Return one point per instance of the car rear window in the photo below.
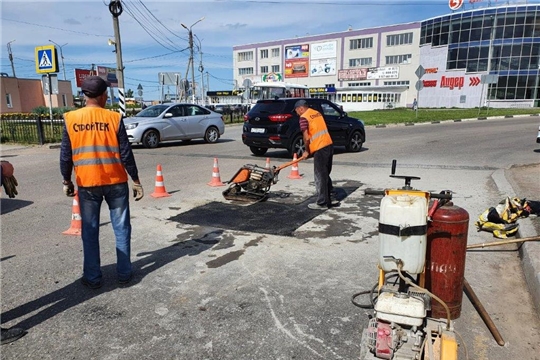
(269, 108)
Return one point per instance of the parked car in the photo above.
(165, 122)
(274, 124)
(222, 109)
(538, 135)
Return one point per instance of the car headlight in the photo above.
(131, 126)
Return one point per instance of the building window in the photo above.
(368, 83)
(264, 54)
(275, 68)
(360, 62)
(399, 39)
(245, 56)
(245, 71)
(64, 100)
(8, 101)
(264, 69)
(366, 43)
(396, 83)
(398, 59)
(275, 52)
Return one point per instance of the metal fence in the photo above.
(32, 131)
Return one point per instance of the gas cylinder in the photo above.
(445, 258)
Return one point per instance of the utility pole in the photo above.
(201, 70)
(115, 8)
(191, 56)
(61, 56)
(11, 57)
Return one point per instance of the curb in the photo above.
(454, 120)
(528, 251)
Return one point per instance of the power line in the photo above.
(55, 28)
(149, 27)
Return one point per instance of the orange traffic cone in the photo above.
(159, 190)
(294, 170)
(267, 163)
(216, 179)
(76, 220)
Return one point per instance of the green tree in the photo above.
(129, 93)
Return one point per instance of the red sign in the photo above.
(80, 75)
(430, 83)
(431, 70)
(296, 68)
(455, 4)
(475, 80)
(453, 82)
(352, 74)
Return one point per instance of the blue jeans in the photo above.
(117, 197)
(322, 163)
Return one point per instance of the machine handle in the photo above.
(374, 192)
(447, 195)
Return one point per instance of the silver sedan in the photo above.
(166, 122)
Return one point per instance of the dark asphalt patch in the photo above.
(268, 217)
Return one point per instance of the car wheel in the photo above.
(211, 135)
(150, 139)
(355, 142)
(298, 146)
(258, 150)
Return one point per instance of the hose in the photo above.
(399, 266)
(372, 299)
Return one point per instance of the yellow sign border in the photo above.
(54, 68)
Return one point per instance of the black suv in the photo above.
(274, 124)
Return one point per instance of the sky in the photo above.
(153, 39)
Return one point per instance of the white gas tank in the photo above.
(403, 232)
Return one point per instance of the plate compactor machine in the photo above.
(252, 183)
(422, 248)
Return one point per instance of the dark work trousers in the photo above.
(322, 165)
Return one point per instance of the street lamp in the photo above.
(62, 56)
(191, 55)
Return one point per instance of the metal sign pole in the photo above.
(481, 96)
(50, 103)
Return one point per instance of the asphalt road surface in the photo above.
(203, 291)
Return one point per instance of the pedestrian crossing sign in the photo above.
(46, 59)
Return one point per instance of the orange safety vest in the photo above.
(319, 137)
(94, 144)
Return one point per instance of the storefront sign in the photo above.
(324, 50)
(296, 61)
(80, 75)
(272, 77)
(431, 70)
(108, 74)
(429, 83)
(452, 82)
(389, 72)
(352, 74)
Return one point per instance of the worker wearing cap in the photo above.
(96, 145)
(318, 144)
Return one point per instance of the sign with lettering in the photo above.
(352, 74)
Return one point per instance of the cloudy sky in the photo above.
(153, 39)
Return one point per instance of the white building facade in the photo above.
(358, 69)
(469, 58)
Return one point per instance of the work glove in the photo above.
(69, 189)
(10, 186)
(138, 191)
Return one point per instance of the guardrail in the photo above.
(31, 131)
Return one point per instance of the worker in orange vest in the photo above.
(96, 145)
(319, 144)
